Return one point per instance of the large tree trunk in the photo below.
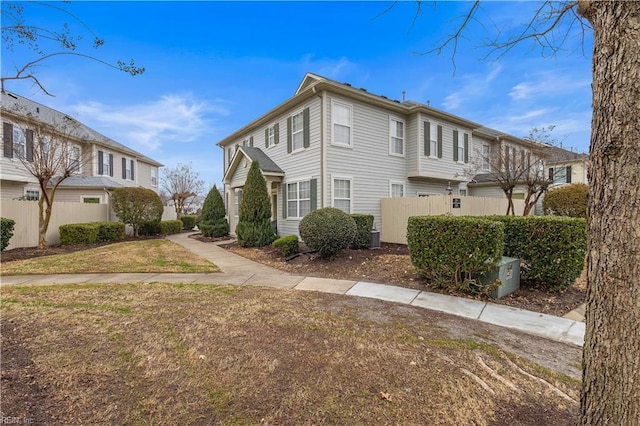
(611, 362)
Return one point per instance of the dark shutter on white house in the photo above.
(284, 200)
(455, 146)
(426, 138)
(111, 165)
(551, 174)
(266, 137)
(313, 189)
(289, 137)
(466, 147)
(124, 168)
(439, 141)
(276, 133)
(306, 131)
(568, 172)
(100, 162)
(7, 139)
(29, 135)
(132, 171)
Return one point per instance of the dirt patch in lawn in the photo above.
(391, 264)
(196, 354)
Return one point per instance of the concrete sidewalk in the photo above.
(237, 270)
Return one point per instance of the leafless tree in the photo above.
(611, 365)
(52, 153)
(181, 185)
(47, 43)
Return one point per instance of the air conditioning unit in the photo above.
(375, 239)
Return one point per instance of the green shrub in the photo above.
(215, 230)
(149, 228)
(212, 221)
(449, 250)
(254, 220)
(364, 226)
(168, 227)
(6, 232)
(327, 231)
(78, 233)
(188, 221)
(567, 200)
(288, 246)
(552, 248)
(137, 205)
(110, 231)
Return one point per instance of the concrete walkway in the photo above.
(238, 270)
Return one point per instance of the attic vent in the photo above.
(397, 101)
(38, 110)
(66, 117)
(347, 84)
(383, 97)
(12, 95)
(363, 89)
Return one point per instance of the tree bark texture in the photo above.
(611, 360)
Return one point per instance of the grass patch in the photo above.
(197, 354)
(150, 256)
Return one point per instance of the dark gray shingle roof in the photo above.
(266, 164)
(90, 182)
(560, 155)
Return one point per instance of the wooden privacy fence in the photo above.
(396, 211)
(25, 213)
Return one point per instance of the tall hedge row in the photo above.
(552, 249)
(90, 233)
(449, 250)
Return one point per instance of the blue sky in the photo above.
(212, 67)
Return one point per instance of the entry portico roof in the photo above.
(267, 166)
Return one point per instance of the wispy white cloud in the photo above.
(173, 118)
(474, 86)
(548, 82)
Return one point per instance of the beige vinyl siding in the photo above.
(75, 195)
(411, 144)
(445, 167)
(9, 189)
(142, 175)
(241, 172)
(494, 191)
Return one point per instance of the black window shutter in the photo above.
(506, 158)
(284, 200)
(466, 147)
(551, 173)
(266, 137)
(289, 141)
(111, 165)
(276, 133)
(124, 168)
(427, 138)
(29, 145)
(455, 145)
(439, 141)
(313, 189)
(132, 176)
(100, 162)
(305, 131)
(7, 138)
(251, 141)
(568, 172)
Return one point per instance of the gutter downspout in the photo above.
(323, 146)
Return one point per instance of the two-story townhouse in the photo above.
(335, 145)
(110, 164)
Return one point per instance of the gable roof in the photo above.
(20, 106)
(267, 165)
(80, 181)
(561, 155)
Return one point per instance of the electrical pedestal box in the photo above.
(508, 272)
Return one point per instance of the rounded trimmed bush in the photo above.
(567, 200)
(188, 221)
(364, 226)
(288, 246)
(327, 231)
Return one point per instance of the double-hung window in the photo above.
(297, 131)
(298, 199)
(154, 177)
(342, 194)
(433, 140)
(74, 158)
(127, 169)
(19, 142)
(271, 136)
(396, 137)
(341, 115)
(461, 152)
(105, 163)
(396, 189)
(485, 157)
(32, 195)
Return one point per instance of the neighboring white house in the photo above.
(564, 166)
(332, 144)
(111, 165)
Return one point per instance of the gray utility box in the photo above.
(508, 272)
(375, 239)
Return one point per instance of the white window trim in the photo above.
(128, 167)
(333, 124)
(461, 147)
(20, 141)
(82, 197)
(153, 169)
(433, 153)
(397, 182)
(404, 137)
(79, 171)
(27, 190)
(286, 188)
(333, 185)
(301, 131)
(486, 159)
(271, 135)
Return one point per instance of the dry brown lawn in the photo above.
(157, 255)
(196, 354)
